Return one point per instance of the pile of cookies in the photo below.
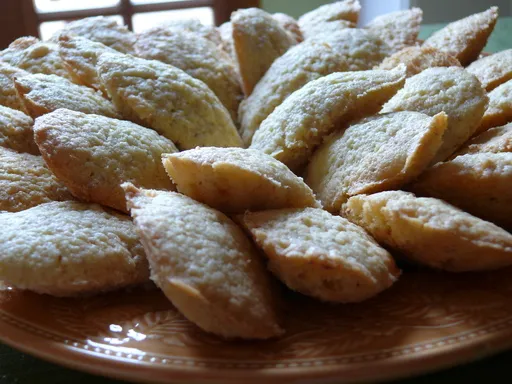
(215, 161)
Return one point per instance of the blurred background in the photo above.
(43, 17)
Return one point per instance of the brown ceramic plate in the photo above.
(425, 322)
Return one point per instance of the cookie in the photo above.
(226, 34)
(194, 26)
(166, 99)
(465, 38)
(43, 94)
(379, 153)
(69, 249)
(493, 70)
(234, 180)
(81, 56)
(26, 181)
(290, 25)
(444, 89)
(301, 64)
(93, 155)
(103, 30)
(417, 59)
(8, 96)
(494, 140)
(198, 57)
(397, 29)
(258, 40)
(321, 255)
(205, 265)
(431, 232)
(330, 17)
(298, 126)
(35, 56)
(499, 111)
(478, 183)
(16, 131)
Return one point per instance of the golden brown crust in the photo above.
(16, 131)
(499, 111)
(494, 140)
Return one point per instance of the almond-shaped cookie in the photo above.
(494, 140)
(194, 26)
(301, 64)
(81, 56)
(290, 25)
(69, 249)
(93, 155)
(417, 59)
(499, 111)
(330, 18)
(26, 181)
(258, 40)
(166, 99)
(234, 180)
(16, 131)
(198, 57)
(8, 96)
(298, 126)
(35, 56)
(398, 29)
(321, 255)
(493, 70)
(452, 90)
(226, 34)
(431, 232)
(479, 183)
(380, 153)
(43, 94)
(465, 38)
(103, 30)
(205, 265)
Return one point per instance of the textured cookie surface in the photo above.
(93, 155)
(444, 89)
(235, 179)
(103, 30)
(398, 29)
(321, 255)
(494, 140)
(194, 26)
(43, 94)
(26, 181)
(16, 131)
(330, 17)
(226, 34)
(478, 183)
(417, 59)
(493, 70)
(70, 248)
(301, 64)
(258, 41)
(431, 232)
(8, 96)
(499, 111)
(205, 264)
(290, 25)
(198, 57)
(81, 55)
(377, 154)
(35, 56)
(465, 38)
(168, 100)
(295, 128)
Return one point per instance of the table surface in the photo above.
(19, 368)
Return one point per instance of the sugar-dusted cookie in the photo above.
(465, 38)
(499, 111)
(194, 26)
(321, 255)
(70, 248)
(451, 90)
(295, 128)
(43, 94)
(8, 96)
(493, 70)
(258, 40)
(379, 153)
(205, 265)
(226, 34)
(417, 59)
(494, 140)
(26, 181)
(16, 131)
(290, 25)
(93, 155)
(431, 232)
(234, 179)
(168, 100)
